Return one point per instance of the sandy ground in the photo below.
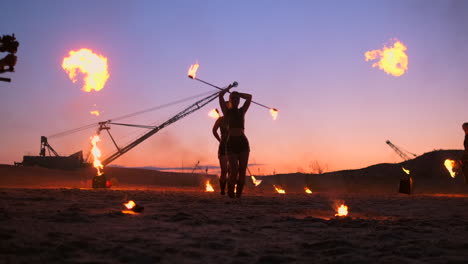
(191, 226)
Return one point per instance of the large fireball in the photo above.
(93, 66)
(392, 60)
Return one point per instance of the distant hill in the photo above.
(428, 172)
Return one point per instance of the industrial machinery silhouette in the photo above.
(75, 161)
(406, 182)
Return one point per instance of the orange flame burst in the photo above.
(130, 204)
(405, 170)
(95, 112)
(393, 60)
(274, 113)
(93, 66)
(214, 113)
(96, 155)
(342, 210)
(307, 190)
(279, 189)
(192, 72)
(209, 188)
(255, 181)
(450, 165)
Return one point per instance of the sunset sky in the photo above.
(305, 58)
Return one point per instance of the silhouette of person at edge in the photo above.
(464, 158)
(237, 145)
(221, 124)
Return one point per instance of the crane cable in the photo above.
(75, 130)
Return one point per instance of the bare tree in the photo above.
(316, 167)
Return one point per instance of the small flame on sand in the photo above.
(95, 112)
(192, 72)
(393, 59)
(450, 164)
(130, 204)
(307, 190)
(214, 113)
(92, 65)
(279, 190)
(255, 181)
(405, 170)
(274, 113)
(342, 210)
(96, 155)
(209, 188)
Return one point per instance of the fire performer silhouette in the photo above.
(464, 159)
(237, 145)
(221, 124)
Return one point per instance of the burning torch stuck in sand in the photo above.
(99, 181)
(132, 208)
(342, 211)
(192, 75)
(279, 190)
(208, 186)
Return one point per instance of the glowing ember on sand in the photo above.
(342, 210)
(193, 70)
(274, 113)
(255, 181)
(393, 59)
(132, 207)
(307, 190)
(209, 188)
(405, 170)
(214, 113)
(450, 165)
(95, 112)
(279, 189)
(130, 204)
(96, 155)
(93, 66)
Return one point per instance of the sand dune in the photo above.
(188, 226)
(52, 216)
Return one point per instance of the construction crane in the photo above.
(402, 153)
(57, 161)
(154, 129)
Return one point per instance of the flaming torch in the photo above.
(95, 112)
(255, 181)
(192, 73)
(342, 211)
(405, 170)
(99, 181)
(214, 113)
(393, 59)
(208, 187)
(279, 189)
(450, 165)
(92, 65)
(307, 190)
(96, 152)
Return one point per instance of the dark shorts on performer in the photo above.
(237, 145)
(222, 149)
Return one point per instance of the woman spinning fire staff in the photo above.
(237, 145)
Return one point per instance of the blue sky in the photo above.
(305, 58)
